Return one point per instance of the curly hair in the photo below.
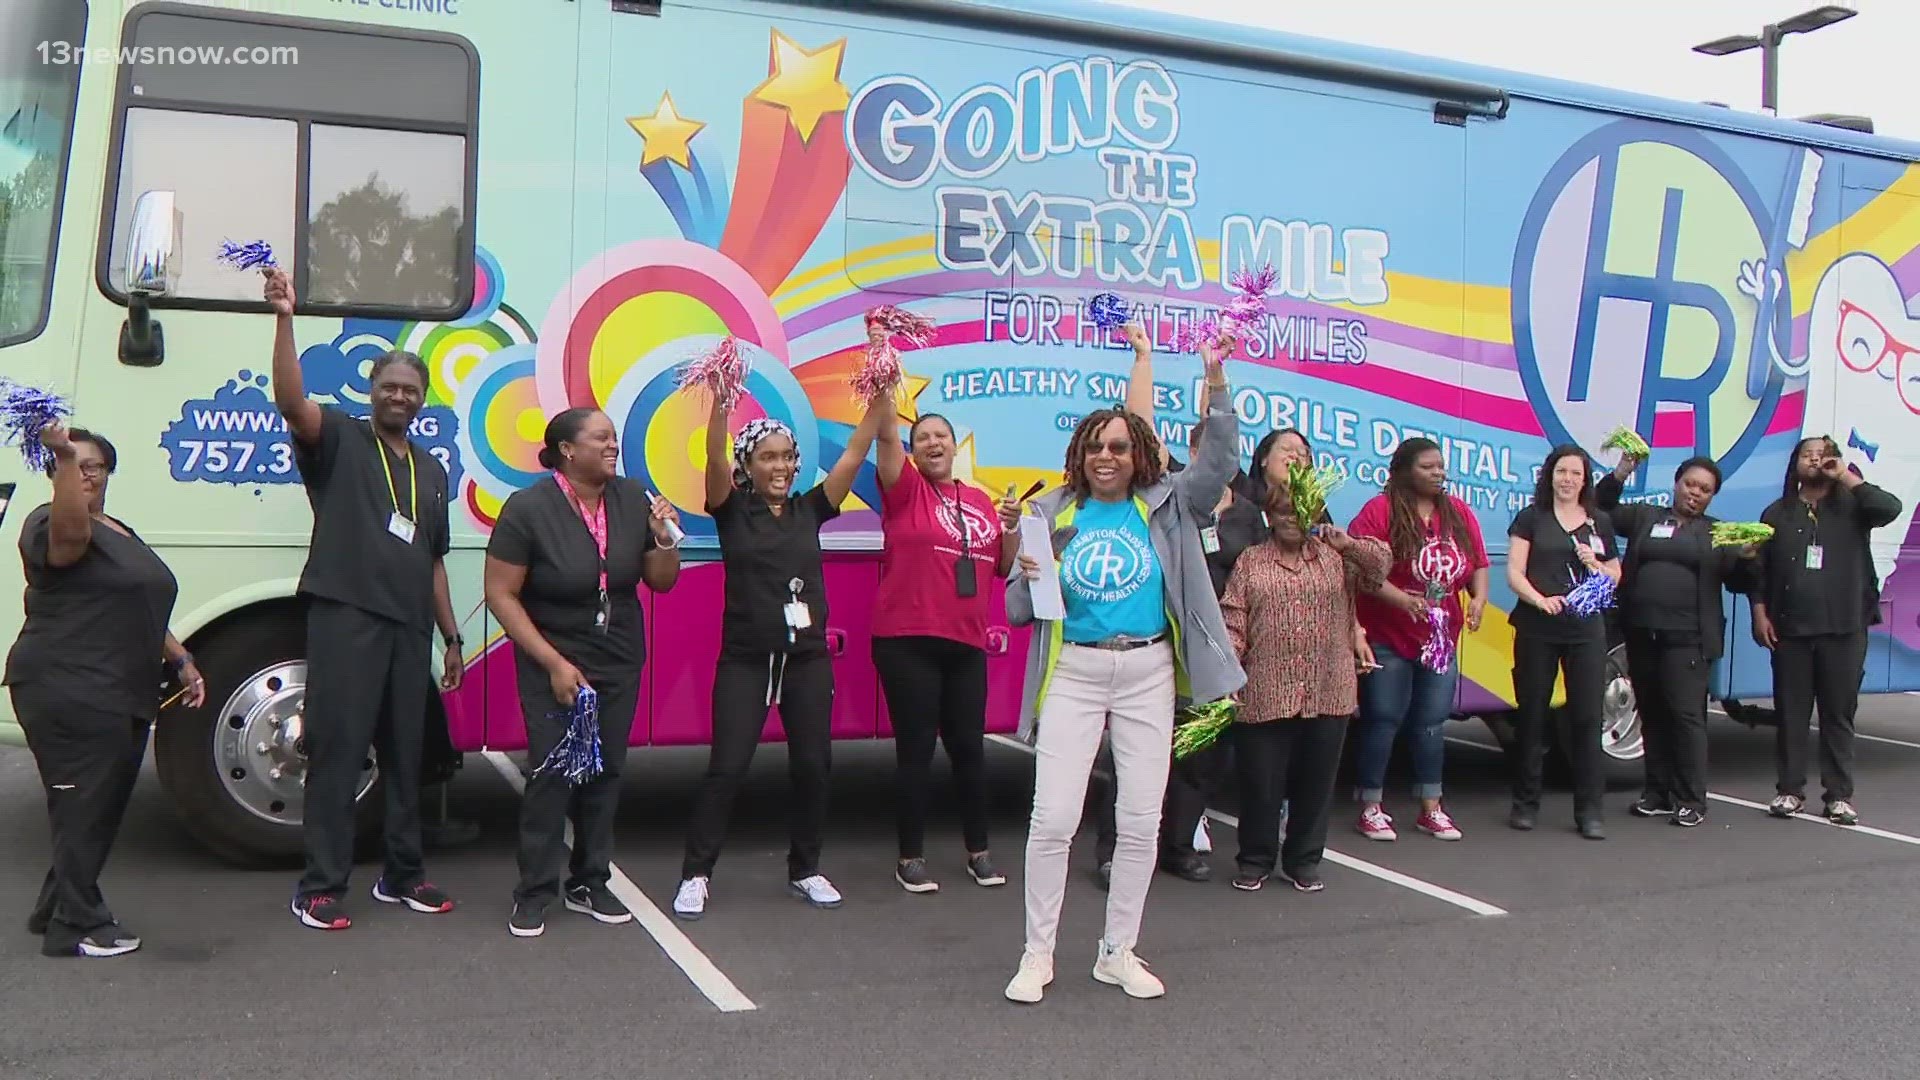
(1404, 530)
(1543, 484)
(1146, 450)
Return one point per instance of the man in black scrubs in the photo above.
(374, 585)
(1816, 597)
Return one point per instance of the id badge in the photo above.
(1662, 531)
(798, 617)
(1816, 556)
(966, 583)
(602, 616)
(1210, 539)
(400, 527)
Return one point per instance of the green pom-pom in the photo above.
(1201, 726)
(1740, 533)
(1628, 442)
(1309, 488)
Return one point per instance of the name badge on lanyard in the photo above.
(1210, 539)
(596, 523)
(798, 617)
(1662, 531)
(399, 525)
(1816, 556)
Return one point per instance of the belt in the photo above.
(1120, 644)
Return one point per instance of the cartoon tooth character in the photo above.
(1863, 384)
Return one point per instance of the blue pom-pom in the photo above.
(577, 755)
(1592, 596)
(249, 256)
(1108, 311)
(25, 412)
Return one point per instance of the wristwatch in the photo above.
(456, 641)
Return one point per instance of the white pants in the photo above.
(1130, 696)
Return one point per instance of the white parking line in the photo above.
(680, 949)
(1715, 710)
(1392, 877)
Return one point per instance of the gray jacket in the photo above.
(1176, 508)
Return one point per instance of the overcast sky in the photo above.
(1860, 66)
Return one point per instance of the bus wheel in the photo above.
(1622, 739)
(235, 767)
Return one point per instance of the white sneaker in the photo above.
(1030, 983)
(1121, 968)
(691, 901)
(816, 890)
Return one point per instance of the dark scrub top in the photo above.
(353, 558)
(761, 552)
(1552, 567)
(1664, 591)
(95, 630)
(541, 529)
(1843, 595)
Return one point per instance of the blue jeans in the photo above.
(1403, 696)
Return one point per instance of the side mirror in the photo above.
(153, 272)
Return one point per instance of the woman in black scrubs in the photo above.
(1676, 626)
(1551, 546)
(563, 572)
(85, 675)
(773, 643)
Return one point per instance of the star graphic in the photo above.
(910, 397)
(667, 134)
(806, 84)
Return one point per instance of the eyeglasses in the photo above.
(93, 470)
(1866, 345)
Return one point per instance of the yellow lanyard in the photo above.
(413, 485)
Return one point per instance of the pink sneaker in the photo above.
(1374, 824)
(1438, 824)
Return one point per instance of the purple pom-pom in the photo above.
(1437, 651)
(577, 755)
(1108, 311)
(1192, 335)
(1254, 284)
(24, 413)
(249, 256)
(1593, 595)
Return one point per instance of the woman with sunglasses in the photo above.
(84, 677)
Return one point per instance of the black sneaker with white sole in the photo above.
(529, 919)
(1304, 880)
(321, 912)
(1650, 807)
(423, 898)
(1687, 817)
(1249, 880)
(913, 876)
(600, 903)
(106, 941)
(980, 867)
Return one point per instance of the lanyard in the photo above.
(960, 519)
(413, 485)
(596, 523)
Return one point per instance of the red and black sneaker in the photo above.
(321, 912)
(423, 897)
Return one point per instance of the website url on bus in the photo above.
(65, 52)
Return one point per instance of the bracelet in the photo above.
(183, 661)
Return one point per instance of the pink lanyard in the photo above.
(596, 524)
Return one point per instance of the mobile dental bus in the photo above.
(555, 202)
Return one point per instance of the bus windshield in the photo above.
(41, 42)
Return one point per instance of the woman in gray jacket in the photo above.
(1142, 630)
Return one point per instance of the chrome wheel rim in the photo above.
(259, 746)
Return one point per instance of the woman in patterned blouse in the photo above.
(1289, 613)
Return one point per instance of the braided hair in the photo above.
(1404, 530)
(1147, 470)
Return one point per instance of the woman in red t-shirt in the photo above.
(947, 546)
(1437, 552)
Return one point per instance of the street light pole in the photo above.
(1768, 41)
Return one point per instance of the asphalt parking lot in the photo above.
(1745, 948)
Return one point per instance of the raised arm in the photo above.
(890, 455)
(1628, 518)
(880, 410)
(1140, 382)
(1878, 507)
(1217, 457)
(289, 390)
(719, 466)
(69, 525)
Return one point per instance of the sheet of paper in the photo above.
(1036, 542)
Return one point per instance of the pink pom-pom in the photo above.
(1192, 335)
(721, 370)
(916, 330)
(880, 372)
(1254, 284)
(1436, 653)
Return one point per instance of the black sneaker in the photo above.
(983, 871)
(1304, 880)
(1249, 880)
(423, 898)
(106, 941)
(1591, 827)
(599, 903)
(1650, 807)
(913, 876)
(1191, 868)
(1687, 817)
(529, 919)
(321, 912)
(1522, 819)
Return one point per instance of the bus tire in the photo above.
(235, 767)
(1622, 738)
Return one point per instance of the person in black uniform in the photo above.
(1676, 627)
(84, 676)
(1817, 593)
(1551, 546)
(375, 586)
(773, 645)
(564, 567)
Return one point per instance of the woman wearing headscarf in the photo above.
(773, 644)
(1141, 630)
(946, 547)
(1552, 546)
(564, 567)
(1289, 612)
(84, 675)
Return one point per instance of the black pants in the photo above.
(550, 801)
(89, 760)
(1670, 676)
(1191, 783)
(935, 687)
(740, 685)
(1293, 761)
(364, 692)
(1584, 663)
(1824, 669)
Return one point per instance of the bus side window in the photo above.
(351, 152)
(42, 45)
